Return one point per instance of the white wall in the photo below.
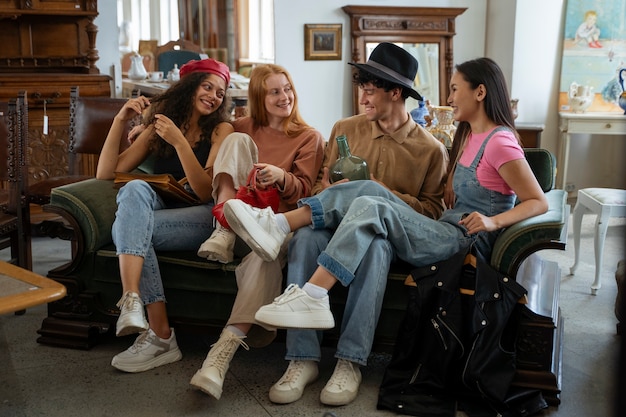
(107, 44)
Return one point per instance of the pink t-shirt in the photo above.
(501, 148)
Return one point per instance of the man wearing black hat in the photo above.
(405, 158)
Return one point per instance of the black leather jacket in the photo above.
(456, 343)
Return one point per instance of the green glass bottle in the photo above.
(348, 166)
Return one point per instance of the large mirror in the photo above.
(427, 78)
(423, 31)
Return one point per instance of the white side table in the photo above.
(586, 123)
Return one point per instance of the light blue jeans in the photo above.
(143, 223)
(361, 261)
(363, 304)
(358, 228)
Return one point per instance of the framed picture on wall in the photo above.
(594, 55)
(322, 42)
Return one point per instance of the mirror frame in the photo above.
(408, 25)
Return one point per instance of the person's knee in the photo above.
(134, 189)
(134, 186)
(239, 140)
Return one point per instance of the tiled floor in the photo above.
(38, 380)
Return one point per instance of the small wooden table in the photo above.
(21, 288)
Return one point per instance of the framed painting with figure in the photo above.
(322, 42)
(594, 55)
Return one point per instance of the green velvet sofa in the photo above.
(200, 293)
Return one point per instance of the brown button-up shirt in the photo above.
(410, 161)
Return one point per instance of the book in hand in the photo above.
(164, 184)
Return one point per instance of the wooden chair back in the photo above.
(179, 45)
(176, 52)
(15, 214)
(90, 121)
(167, 59)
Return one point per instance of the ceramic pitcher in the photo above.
(137, 71)
(580, 97)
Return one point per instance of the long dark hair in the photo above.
(177, 104)
(497, 102)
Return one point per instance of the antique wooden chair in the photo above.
(14, 216)
(176, 52)
(90, 120)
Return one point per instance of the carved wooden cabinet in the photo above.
(48, 46)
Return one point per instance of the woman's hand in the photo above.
(133, 107)
(166, 129)
(269, 174)
(135, 132)
(326, 179)
(475, 222)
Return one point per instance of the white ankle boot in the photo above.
(210, 378)
(219, 247)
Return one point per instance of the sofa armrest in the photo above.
(91, 206)
(545, 231)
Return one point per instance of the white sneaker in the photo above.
(343, 386)
(290, 386)
(295, 309)
(148, 351)
(257, 227)
(210, 378)
(219, 247)
(132, 318)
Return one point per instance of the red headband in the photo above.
(208, 65)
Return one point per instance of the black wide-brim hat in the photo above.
(392, 63)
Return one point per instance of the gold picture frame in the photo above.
(322, 42)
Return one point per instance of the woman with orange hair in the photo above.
(287, 153)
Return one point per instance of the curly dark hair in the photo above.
(177, 104)
(361, 77)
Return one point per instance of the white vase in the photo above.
(580, 97)
(137, 71)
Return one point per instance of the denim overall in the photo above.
(471, 196)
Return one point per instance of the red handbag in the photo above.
(256, 197)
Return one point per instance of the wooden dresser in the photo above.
(48, 46)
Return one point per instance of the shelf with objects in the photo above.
(238, 91)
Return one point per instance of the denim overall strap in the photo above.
(471, 196)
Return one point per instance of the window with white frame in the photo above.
(159, 19)
(256, 34)
(146, 19)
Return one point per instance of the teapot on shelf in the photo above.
(580, 97)
(137, 71)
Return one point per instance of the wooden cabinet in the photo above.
(50, 93)
(48, 46)
(530, 134)
(50, 6)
